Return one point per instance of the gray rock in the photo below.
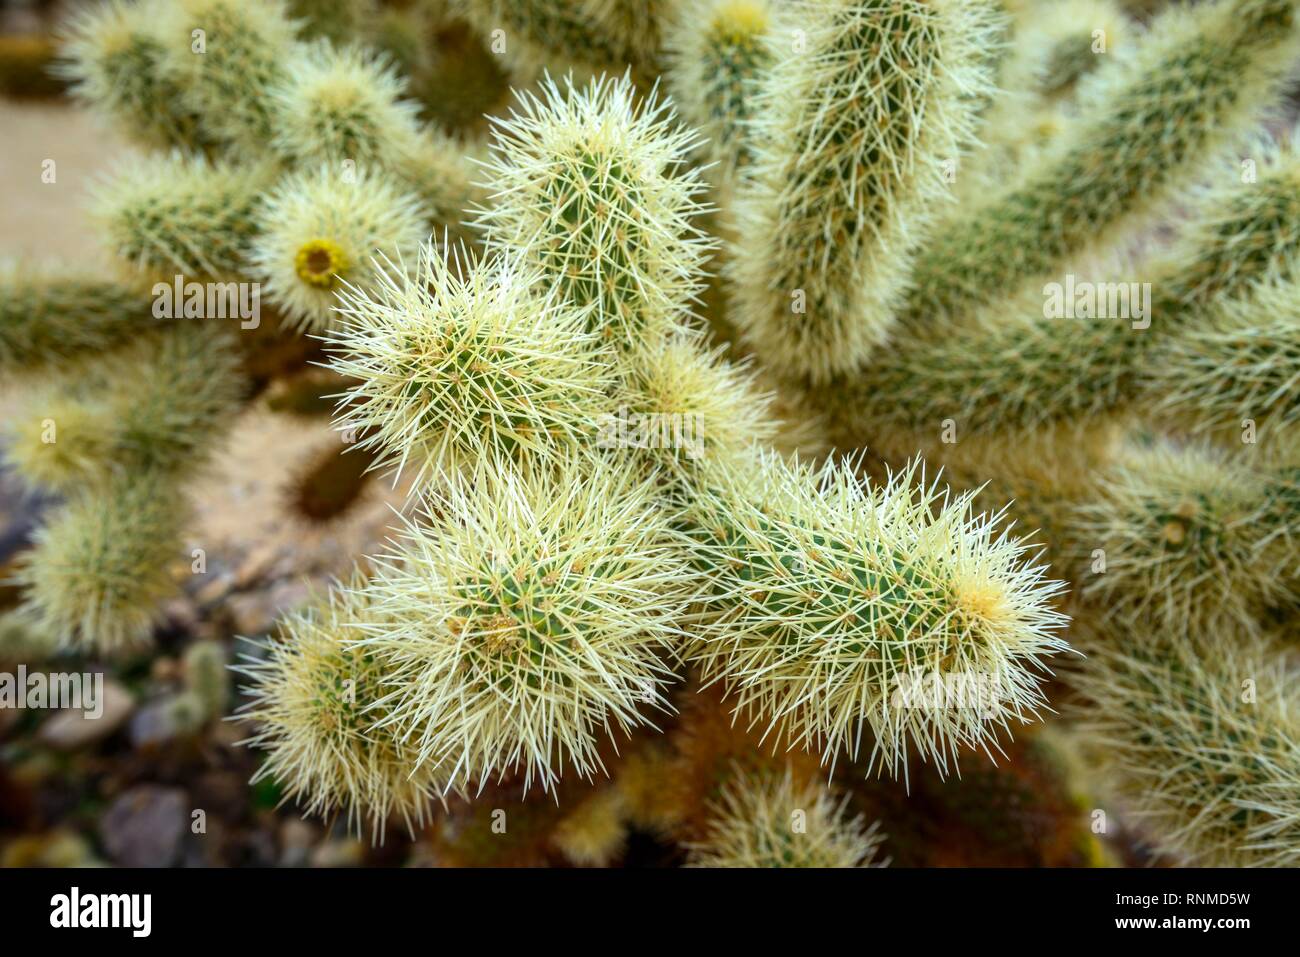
(297, 838)
(145, 826)
(70, 729)
(171, 717)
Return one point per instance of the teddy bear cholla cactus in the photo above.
(203, 83)
(850, 138)
(320, 703)
(1202, 739)
(828, 596)
(806, 595)
(453, 369)
(752, 826)
(1166, 536)
(970, 346)
(550, 595)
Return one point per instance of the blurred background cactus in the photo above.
(657, 432)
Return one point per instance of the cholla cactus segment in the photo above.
(683, 404)
(338, 21)
(101, 567)
(182, 215)
(1238, 370)
(635, 26)
(1192, 540)
(347, 107)
(590, 34)
(316, 703)
(341, 104)
(156, 406)
(1074, 37)
(456, 362)
(323, 230)
(1025, 365)
(1245, 231)
(24, 639)
(437, 169)
(766, 821)
(718, 53)
(851, 136)
(590, 186)
(113, 54)
(1201, 739)
(1198, 81)
(207, 677)
(50, 316)
(595, 833)
(227, 56)
(530, 618)
(60, 441)
(176, 394)
(1017, 121)
(1009, 371)
(647, 804)
(836, 608)
(1034, 479)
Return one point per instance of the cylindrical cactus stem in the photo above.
(318, 704)
(1033, 479)
(61, 438)
(439, 170)
(1202, 740)
(176, 215)
(227, 56)
(1189, 540)
(457, 361)
(207, 677)
(718, 51)
(176, 396)
(345, 108)
(590, 34)
(592, 187)
(99, 570)
(157, 405)
(683, 405)
(114, 54)
(767, 821)
(594, 834)
(635, 27)
(836, 609)
(324, 230)
(866, 103)
(1200, 79)
(24, 639)
(51, 316)
(339, 21)
(532, 616)
(1029, 364)
(339, 105)
(1073, 38)
(1234, 377)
